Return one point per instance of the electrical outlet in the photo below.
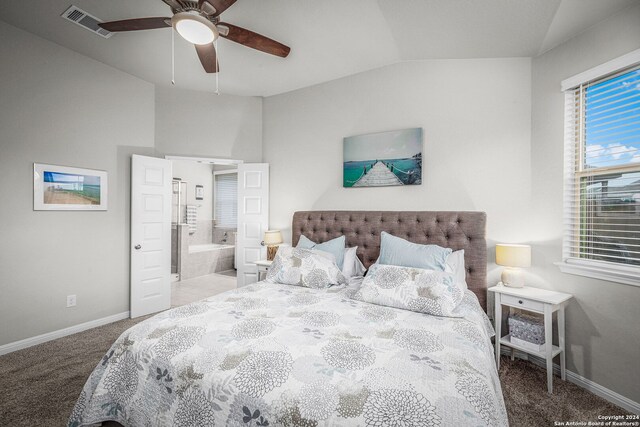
(71, 300)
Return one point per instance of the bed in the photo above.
(271, 354)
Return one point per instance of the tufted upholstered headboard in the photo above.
(455, 230)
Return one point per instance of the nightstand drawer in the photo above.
(522, 303)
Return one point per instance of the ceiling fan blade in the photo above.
(135, 24)
(173, 4)
(207, 55)
(214, 8)
(253, 40)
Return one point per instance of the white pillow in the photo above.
(415, 289)
(455, 266)
(352, 266)
(304, 267)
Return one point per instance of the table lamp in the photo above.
(514, 257)
(272, 238)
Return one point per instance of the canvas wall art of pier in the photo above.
(383, 159)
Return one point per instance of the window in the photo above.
(226, 199)
(602, 177)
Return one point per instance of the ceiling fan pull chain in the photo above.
(217, 68)
(173, 58)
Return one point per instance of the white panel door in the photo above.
(253, 219)
(150, 235)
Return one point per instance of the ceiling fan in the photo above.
(199, 23)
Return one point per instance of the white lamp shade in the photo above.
(513, 255)
(272, 237)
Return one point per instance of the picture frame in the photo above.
(66, 188)
(199, 192)
(383, 159)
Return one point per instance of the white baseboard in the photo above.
(579, 380)
(39, 339)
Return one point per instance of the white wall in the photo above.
(476, 120)
(603, 337)
(62, 108)
(204, 124)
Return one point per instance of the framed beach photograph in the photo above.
(383, 159)
(63, 188)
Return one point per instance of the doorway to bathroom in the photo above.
(204, 221)
(156, 197)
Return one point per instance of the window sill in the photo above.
(599, 270)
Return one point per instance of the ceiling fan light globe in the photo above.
(194, 28)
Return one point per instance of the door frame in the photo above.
(210, 160)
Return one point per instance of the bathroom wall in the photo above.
(202, 262)
(195, 173)
(218, 235)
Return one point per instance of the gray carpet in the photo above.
(41, 384)
(524, 386)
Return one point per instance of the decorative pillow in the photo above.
(324, 254)
(304, 267)
(415, 289)
(455, 265)
(352, 266)
(403, 253)
(333, 246)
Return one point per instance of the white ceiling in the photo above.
(328, 38)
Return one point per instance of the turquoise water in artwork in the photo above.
(352, 171)
(84, 186)
(409, 171)
(91, 192)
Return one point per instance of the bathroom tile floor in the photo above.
(191, 290)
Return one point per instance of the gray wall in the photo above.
(493, 141)
(476, 120)
(603, 337)
(62, 108)
(203, 124)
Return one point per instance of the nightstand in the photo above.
(263, 266)
(538, 301)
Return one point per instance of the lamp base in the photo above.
(512, 277)
(271, 252)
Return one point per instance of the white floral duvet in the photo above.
(272, 354)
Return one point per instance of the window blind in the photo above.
(226, 200)
(602, 170)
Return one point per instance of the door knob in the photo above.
(137, 247)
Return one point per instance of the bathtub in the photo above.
(193, 249)
(203, 259)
